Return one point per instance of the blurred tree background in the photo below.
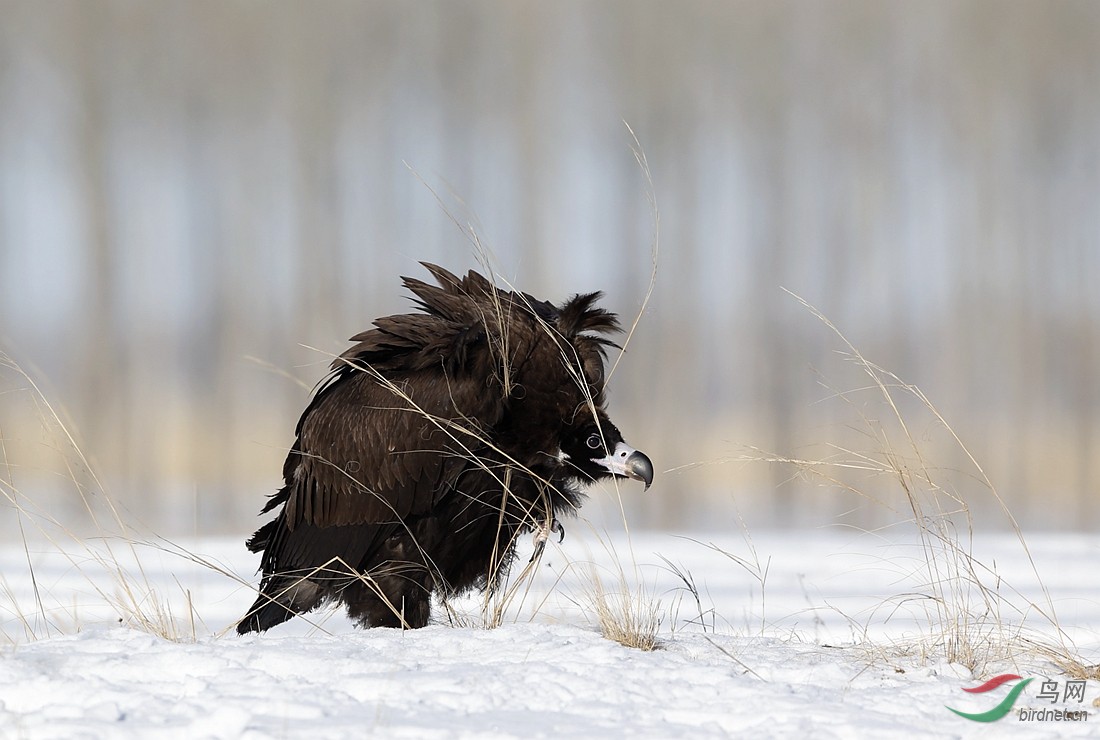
(201, 201)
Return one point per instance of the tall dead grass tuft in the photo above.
(109, 560)
(973, 616)
(625, 610)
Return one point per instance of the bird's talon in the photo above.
(555, 526)
(542, 534)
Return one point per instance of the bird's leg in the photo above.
(542, 534)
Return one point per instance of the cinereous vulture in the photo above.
(434, 443)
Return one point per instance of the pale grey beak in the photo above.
(629, 463)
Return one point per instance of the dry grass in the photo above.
(625, 612)
(705, 618)
(752, 565)
(111, 556)
(973, 616)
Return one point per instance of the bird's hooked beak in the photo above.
(629, 463)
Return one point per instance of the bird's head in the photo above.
(594, 451)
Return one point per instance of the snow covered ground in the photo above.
(796, 635)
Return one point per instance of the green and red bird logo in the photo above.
(1006, 704)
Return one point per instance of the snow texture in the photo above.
(829, 645)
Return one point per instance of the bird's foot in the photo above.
(542, 534)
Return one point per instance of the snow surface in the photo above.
(812, 636)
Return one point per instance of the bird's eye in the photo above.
(593, 442)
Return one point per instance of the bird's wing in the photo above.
(375, 451)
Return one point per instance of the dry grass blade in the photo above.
(651, 197)
(692, 589)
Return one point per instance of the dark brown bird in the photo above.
(436, 441)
